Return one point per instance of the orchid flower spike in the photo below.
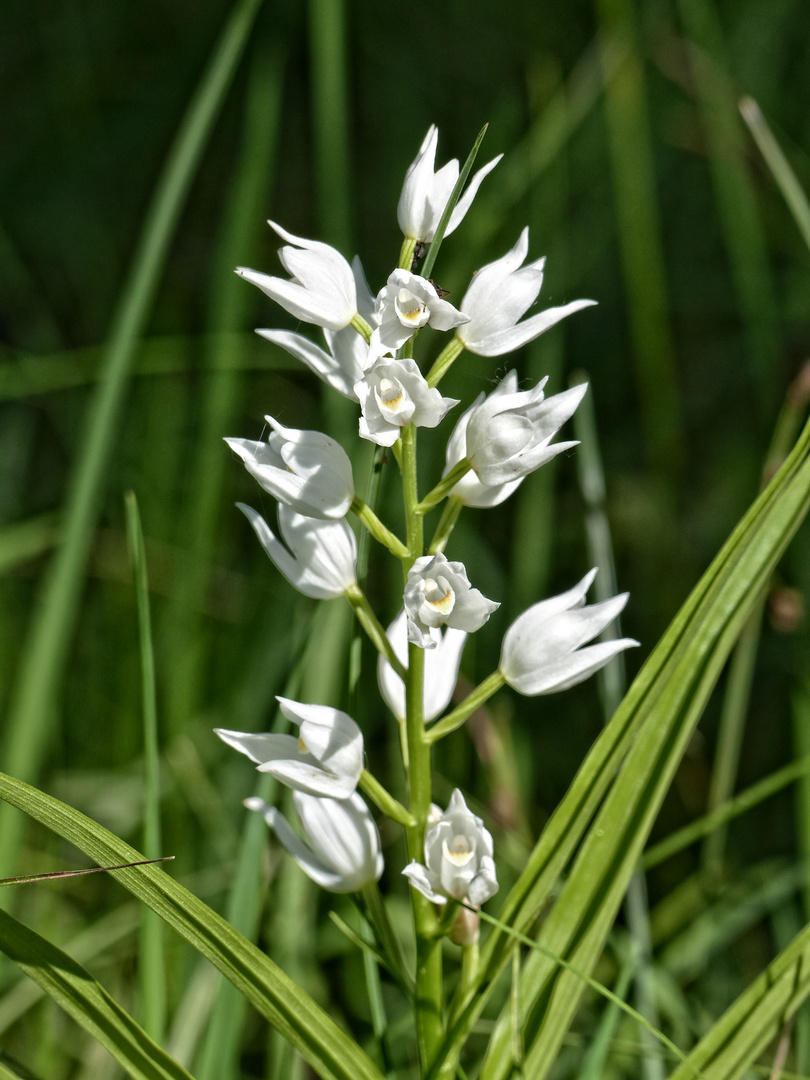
(470, 490)
(441, 670)
(305, 470)
(342, 849)
(425, 193)
(326, 759)
(346, 356)
(509, 434)
(394, 393)
(458, 858)
(499, 296)
(322, 558)
(408, 302)
(542, 649)
(438, 593)
(322, 289)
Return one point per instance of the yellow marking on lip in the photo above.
(302, 746)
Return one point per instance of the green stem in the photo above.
(384, 800)
(379, 531)
(474, 700)
(443, 361)
(384, 932)
(406, 253)
(361, 326)
(444, 486)
(428, 946)
(447, 522)
(371, 624)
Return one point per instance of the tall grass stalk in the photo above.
(743, 230)
(151, 965)
(640, 239)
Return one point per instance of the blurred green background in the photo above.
(127, 353)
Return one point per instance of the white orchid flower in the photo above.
(499, 296)
(394, 393)
(342, 850)
(438, 593)
(322, 289)
(425, 192)
(458, 858)
(408, 302)
(542, 649)
(305, 470)
(346, 356)
(325, 759)
(470, 490)
(509, 435)
(441, 670)
(322, 558)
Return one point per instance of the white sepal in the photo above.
(322, 289)
(425, 192)
(470, 490)
(499, 296)
(305, 470)
(542, 649)
(342, 852)
(325, 759)
(322, 558)
(509, 435)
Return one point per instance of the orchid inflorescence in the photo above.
(501, 438)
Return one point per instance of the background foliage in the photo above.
(626, 156)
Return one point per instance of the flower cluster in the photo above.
(367, 355)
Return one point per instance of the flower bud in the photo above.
(425, 193)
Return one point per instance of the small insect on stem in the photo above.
(418, 253)
(26, 879)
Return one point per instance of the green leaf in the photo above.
(664, 706)
(284, 1004)
(649, 729)
(455, 195)
(756, 1018)
(73, 988)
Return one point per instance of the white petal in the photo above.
(418, 877)
(322, 874)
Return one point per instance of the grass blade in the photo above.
(284, 1004)
(640, 237)
(580, 920)
(688, 657)
(33, 708)
(779, 165)
(77, 992)
(151, 969)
